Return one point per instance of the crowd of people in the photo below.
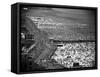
(72, 55)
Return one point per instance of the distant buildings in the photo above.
(44, 22)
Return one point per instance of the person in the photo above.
(43, 47)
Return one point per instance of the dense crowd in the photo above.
(83, 54)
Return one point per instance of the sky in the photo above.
(76, 23)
